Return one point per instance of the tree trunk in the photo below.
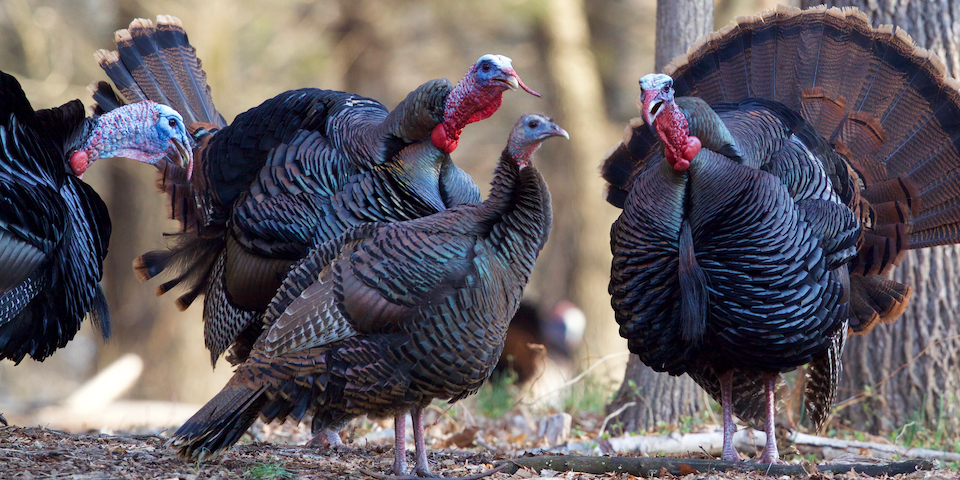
(908, 371)
(658, 397)
(579, 239)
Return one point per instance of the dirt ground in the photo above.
(38, 453)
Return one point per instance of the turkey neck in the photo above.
(516, 215)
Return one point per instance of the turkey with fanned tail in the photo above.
(54, 228)
(390, 316)
(304, 165)
(781, 168)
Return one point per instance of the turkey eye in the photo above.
(533, 124)
(173, 122)
(666, 88)
(485, 67)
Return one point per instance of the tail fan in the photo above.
(880, 100)
(218, 424)
(157, 63)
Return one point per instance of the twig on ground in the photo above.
(477, 476)
(649, 467)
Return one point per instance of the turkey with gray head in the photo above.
(301, 167)
(780, 171)
(54, 229)
(390, 316)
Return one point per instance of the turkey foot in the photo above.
(475, 476)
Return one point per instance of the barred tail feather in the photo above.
(823, 374)
(218, 424)
(157, 62)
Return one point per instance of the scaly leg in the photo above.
(770, 453)
(729, 428)
(422, 468)
(400, 445)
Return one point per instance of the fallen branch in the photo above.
(649, 467)
(745, 440)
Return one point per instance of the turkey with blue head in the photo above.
(54, 228)
(780, 170)
(389, 316)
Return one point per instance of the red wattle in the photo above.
(691, 148)
(79, 162)
(440, 140)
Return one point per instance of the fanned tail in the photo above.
(157, 63)
(885, 104)
(219, 423)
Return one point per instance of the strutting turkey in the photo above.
(803, 154)
(390, 316)
(54, 229)
(301, 167)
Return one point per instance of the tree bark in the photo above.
(908, 371)
(658, 397)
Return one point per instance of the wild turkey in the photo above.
(390, 316)
(827, 151)
(54, 229)
(301, 167)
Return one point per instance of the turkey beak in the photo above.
(558, 132)
(651, 107)
(513, 81)
(183, 156)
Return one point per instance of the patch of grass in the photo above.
(498, 396)
(590, 395)
(268, 471)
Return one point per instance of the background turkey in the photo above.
(390, 316)
(301, 167)
(54, 229)
(755, 256)
(538, 351)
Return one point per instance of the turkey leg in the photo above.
(400, 445)
(729, 428)
(422, 467)
(770, 453)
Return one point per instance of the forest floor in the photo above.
(278, 452)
